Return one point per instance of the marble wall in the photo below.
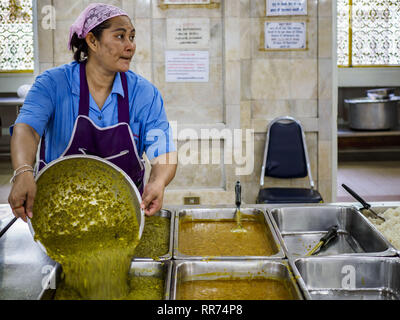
(248, 86)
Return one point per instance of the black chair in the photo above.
(286, 157)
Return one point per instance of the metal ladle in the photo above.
(365, 205)
(238, 214)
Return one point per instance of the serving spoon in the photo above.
(238, 214)
(365, 205)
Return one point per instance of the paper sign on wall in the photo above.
(187, 66)
(188, 33)
(186, 1)
(286, 7)
(285, 35)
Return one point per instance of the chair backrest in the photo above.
(285, 154)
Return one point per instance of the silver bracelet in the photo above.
(24, 165)
(16, 174)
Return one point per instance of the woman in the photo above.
(94, 105)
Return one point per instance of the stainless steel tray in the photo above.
(300, 228)
(168, 256)
(348, 278)
(138, 268)
(23, 265)
(214, 270)
(155, 269)
(225, 213)
(380, 209)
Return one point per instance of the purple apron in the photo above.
(115, 143)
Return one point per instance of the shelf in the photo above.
(346, 132)
(11, 101)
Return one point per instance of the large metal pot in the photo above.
(373, 114)
(118, 182)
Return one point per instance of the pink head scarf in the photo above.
(91, 17)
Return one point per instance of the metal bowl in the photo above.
(118, 178)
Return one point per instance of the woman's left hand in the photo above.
(163, 169)
(152, 198)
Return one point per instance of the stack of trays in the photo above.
(358, 264)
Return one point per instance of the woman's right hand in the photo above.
(22, 195)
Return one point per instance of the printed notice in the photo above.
(285, 35)
(187, 66)
(188, 33)
(286, 7)
(186, 1)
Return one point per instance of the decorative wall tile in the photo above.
(325, 9)
(325, 37)
(61, 35)
(232, 39)
(271, 79)
(325, 78)
(143, 41)
(303, 80)
(68, 10)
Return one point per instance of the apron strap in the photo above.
(123, 102)
(84, 91)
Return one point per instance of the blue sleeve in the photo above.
(39, 104)
(157, 130)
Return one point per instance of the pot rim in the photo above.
(362, 100)
(112, 165)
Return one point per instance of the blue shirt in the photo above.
(52, 106)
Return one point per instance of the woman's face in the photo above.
(117, 45)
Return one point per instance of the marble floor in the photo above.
(373, 181)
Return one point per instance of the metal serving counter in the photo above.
(23, 265)
(25, 270)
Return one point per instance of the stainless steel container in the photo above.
(380, 209)
(161, 270)
(168, 256)
(373, 114)
(215, 270)
(300, 228)
(226, 213)
(348, 278)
